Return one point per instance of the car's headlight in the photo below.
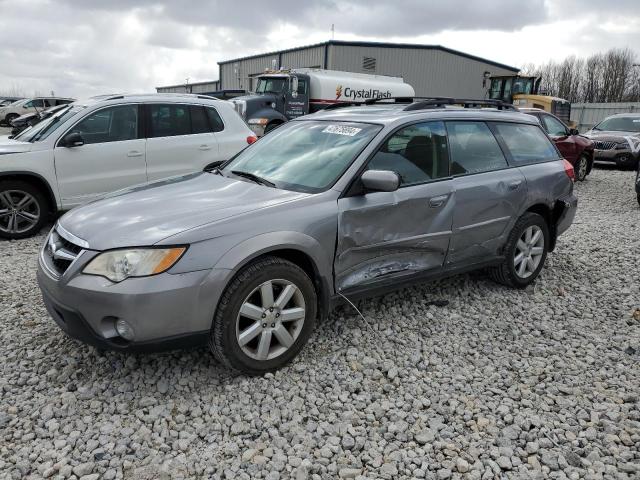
(116, 265)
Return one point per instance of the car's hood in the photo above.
(147, 214)
(8, 145)
(610, 135)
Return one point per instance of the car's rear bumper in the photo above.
(568, 213)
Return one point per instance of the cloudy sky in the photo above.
(85, 47)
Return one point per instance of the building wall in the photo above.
(249, 69)
(203, 87)
(431, 72)
(586, 115)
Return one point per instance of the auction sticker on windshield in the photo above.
(342, 130)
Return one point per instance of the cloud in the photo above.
(85, 47)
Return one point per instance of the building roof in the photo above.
(377, 45)
(207, 82)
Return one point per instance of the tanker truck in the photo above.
(281, 95)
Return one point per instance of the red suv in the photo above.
(577, 149)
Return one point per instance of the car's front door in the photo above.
(384, 236)
(180, 140)
(111, 156)
(488, 193)
(560, 135)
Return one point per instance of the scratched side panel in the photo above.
(385, 235)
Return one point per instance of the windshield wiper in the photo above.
(253, 177)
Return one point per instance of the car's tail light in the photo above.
(252, 139)
(568, 169)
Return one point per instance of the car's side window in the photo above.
(199, 120)
(418, 153)
(28, 104)
(111, 124)
(473, 148)
(553, 126)
(169, 120)
(526, 143)
(214, 119)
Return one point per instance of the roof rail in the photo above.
(439, 102)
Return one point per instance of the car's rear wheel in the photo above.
(264, 317)
(23, 209)
(10, 117)
(525, 252)
(582, 168)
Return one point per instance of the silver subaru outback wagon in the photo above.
(250, 254)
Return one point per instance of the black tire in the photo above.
(582, 168)
(505, 273)
(638, 197)
(41, 204)
(223, 340)
(10, 117)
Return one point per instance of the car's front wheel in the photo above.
(23, 209)
(582, 168)
(525, 252)
(264, 317)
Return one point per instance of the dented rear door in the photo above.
(384, 236)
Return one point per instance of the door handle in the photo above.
(515, 185)
(438, 201)
(134, 153)
(204, 147)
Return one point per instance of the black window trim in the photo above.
(56, 144)
(224, 125)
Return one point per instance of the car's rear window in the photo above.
(526, 143)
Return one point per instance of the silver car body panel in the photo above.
(353, 242)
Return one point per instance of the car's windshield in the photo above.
(620, 124)
(45, 128)
(304, 156)
(271, 84)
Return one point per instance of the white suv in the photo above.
(92, 148)
(29, 105)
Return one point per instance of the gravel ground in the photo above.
(4, 131)
(542, 383)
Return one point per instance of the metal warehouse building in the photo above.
(431, 69)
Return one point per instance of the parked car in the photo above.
(29, 105)
(576, 148)
(341, 203)
(4, 101)
(89, 149)
(617, 140)
(31, 119)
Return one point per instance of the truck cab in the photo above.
(279, 97)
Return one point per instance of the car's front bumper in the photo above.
(165, 311)
(621, 157)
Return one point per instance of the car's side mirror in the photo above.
(380, 181)
(574, 131)
(74, 139)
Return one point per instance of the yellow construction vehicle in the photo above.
(523, 92)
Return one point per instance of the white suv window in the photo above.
(111, 124)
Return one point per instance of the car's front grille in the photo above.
(59, 253)
(601, 145)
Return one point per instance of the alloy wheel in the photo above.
(270, 319)
(529, 251)
(19, 211)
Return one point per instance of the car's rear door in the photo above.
(488, 193)
(384, 236)
(180, 139)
